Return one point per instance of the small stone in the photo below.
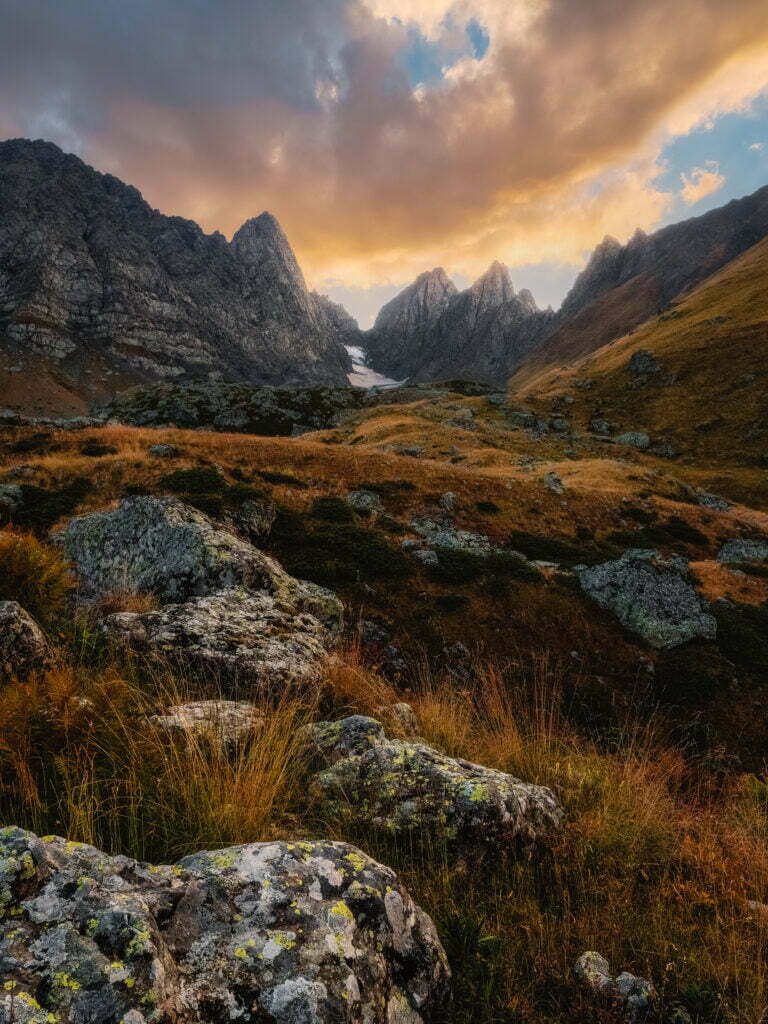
(400, 718)
(426, 557)
(447, 501)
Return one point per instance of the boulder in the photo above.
(438, 534)
(447, 501)
(650, 596)
(226, 720)
(235, 635)
(633, 995)
(365, 501)
(164, 451)
(11, 499)
(254, 518)
(644, 363)
(741, 549)
(310, 932)
(634, 439)
(553, 483)
(712, 501)
(23, 647)
(164, 547)
(406, 786)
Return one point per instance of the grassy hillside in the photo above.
(708, 401)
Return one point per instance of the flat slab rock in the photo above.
(403, 785)
(164, 547)
(651, 597)
(226, 720)
(311, 932)
(238, 636)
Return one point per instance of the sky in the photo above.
(392, 136)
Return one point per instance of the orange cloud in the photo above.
(701, 182)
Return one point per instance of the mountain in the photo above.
(431, 331)
(489, 332)
(99, 291)
(624, 285)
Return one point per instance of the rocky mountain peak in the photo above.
(418, 304)
(527, 301)
(494, 287)
(261, 243)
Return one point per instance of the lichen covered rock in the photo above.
(164, 547)
(23, 647)
(235, 635)
(650, 596)
(403, 786)
(631, 994)
(311, 932)
(744, 549)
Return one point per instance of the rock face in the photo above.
(93, 279)
(311, 932)
(404, 786)
(237, 637)
(236, 408)
(431, 332)
(651, 597)
(23, 647)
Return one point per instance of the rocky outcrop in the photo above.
(237, 408)
(236, 637)
(405, 786)
(23, 647)
(96, 285)
(651, 596)
(315, 932)
(482, 333)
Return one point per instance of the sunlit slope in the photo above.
(710, 398)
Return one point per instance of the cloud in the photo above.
(221, 108)
(757, 147)
(701, 182)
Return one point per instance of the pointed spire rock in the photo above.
(494, 287)
(418, 304)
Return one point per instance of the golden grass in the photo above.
(33, 574)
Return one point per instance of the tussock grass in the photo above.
(34, 574)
